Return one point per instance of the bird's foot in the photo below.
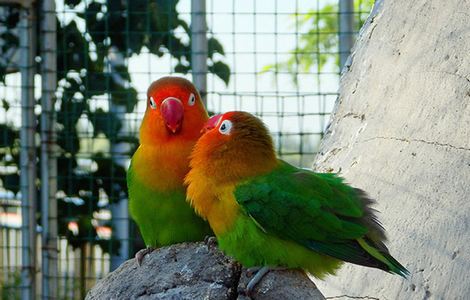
(252, 270)
(255, 280)
(139, 256)
(210, 241)
(259, 273)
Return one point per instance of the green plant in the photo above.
(86, 70)
(318, 44)
(10, 288)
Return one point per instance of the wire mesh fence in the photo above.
(83, 67)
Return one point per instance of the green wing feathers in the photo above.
(320, 212)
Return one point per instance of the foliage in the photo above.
(91, 64)
(9, 41)
(10, 286)
(319, 44)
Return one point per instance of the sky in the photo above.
(254, 34)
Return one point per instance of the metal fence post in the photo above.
(120, 221)
(119, 208)
(346, 30)
(199, 46)
(48, 143)
(27, 155)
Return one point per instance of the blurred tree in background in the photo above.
(90, 63)
(319, 44)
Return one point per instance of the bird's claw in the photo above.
(252, 270)
(210, 241)
(139, 256)
(245, 292)
(250, 287)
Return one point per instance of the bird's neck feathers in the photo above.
(220, 162)
(162, 166)
(234, 162)
(215, 171)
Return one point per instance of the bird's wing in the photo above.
(317, 211)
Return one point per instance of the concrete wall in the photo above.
(401, 131)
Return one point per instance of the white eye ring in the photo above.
(152, 103)
(225, 127)
(192, 99)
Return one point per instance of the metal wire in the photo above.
(277, 59)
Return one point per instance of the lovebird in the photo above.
(170, 127)
(268, 213)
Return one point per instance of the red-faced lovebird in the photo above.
(171, 126)
(268, 213)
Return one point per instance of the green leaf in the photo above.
(13, 16)
(3, 72)
(11, 182)
(72, 49)
(112, 177)
(65, 174)
(185, 26)
(180, 68)
(124, 96)
(71, 108)
(10, 40)
(106, 122)
(319, 45)
(10, 43)
(97, 83)
(214, 46)
(268, 68)
(128, 26)
(68, 140)
(96, 27)
(72, 3)
(221, 70)
(7, 136)
(5, 104)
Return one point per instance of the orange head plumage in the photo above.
(174, 112)
(234, 146)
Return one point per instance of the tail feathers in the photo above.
(373, 242)
(396, 267)
(370, 220)
(386, 261)
(362, 252)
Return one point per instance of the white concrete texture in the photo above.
(401, 131)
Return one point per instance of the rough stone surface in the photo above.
(282, 284)
(196, 271)
(401, 131)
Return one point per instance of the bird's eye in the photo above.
(192, 99)
(225, 127)
(152, 103)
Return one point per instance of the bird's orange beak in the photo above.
(211, 123)
(172, 111)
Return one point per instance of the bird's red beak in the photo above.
(211, 123)
(172, 111)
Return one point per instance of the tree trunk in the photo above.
(401, 131)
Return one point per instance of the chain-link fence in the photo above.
(73, 80)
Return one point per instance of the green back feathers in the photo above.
(319, 212)
(296, 204)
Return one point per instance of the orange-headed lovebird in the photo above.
(266, 212)
(171, 126)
